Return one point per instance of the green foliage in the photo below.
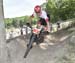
(8, 23)
(16, 22)
(61, 9)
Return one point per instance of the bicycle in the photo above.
(36, 35)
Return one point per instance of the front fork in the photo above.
(34, 37)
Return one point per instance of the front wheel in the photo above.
(29, 45)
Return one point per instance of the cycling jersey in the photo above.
(43, 17)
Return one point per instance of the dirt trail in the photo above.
(55, 48)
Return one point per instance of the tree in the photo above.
(15, 22)
(8, 22)
(3, 47)
(21, 23)
(61, 9)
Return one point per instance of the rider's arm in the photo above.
(47, 20)
(48, 24)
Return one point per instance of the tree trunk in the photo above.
(3, 48)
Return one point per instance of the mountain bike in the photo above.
(37, 35)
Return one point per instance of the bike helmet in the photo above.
(37, 9)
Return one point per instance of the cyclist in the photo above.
(43, 18)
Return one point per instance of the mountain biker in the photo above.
(42, 17)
